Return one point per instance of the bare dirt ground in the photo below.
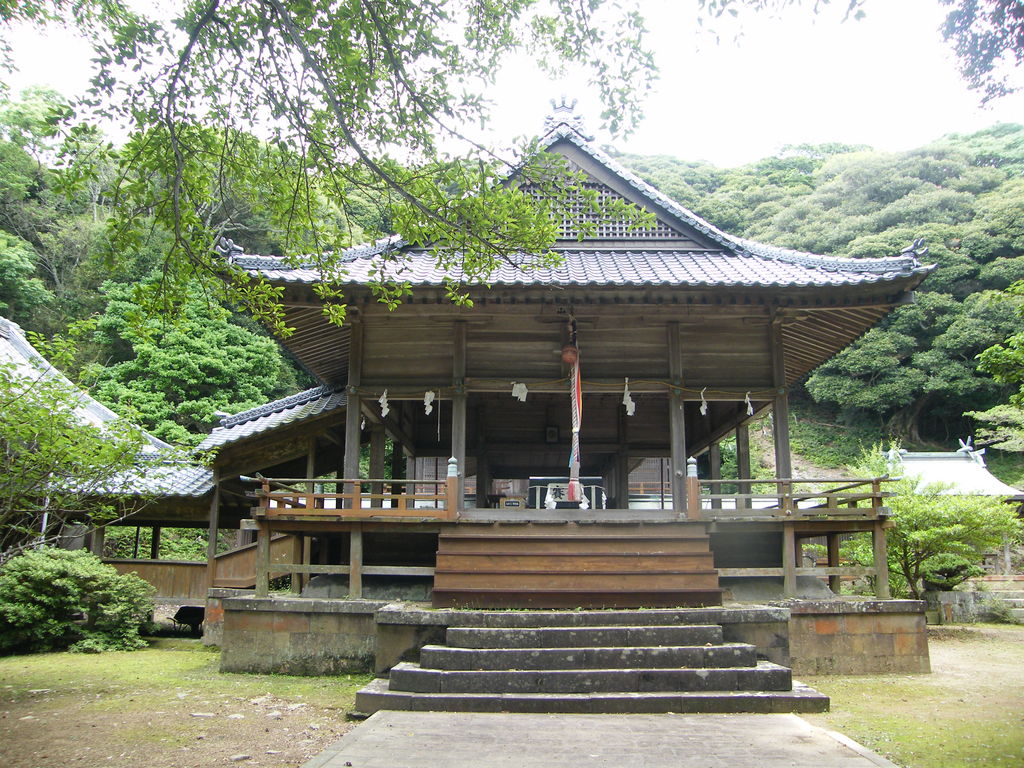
(165, 707)
(169, 707)
(968, 712)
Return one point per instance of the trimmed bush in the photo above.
(54, 599)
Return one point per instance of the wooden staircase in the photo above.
(576, 565)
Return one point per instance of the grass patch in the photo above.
(166, 706)
(816, 434)
(967, 712)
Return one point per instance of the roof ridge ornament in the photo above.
(563, 112)
(916, 249)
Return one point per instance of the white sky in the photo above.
(887, 80)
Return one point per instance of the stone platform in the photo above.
(472, 740)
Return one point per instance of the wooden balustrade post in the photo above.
(881, 561)
(693, 506)
(834, 582)
(452, 488)
(263, 559)
(297, 558)
(788, 559)
(355, 561)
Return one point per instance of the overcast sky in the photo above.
(887, 80)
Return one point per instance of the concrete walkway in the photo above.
(393, 739)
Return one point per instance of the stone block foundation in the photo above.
(858, 637)
(297, 636)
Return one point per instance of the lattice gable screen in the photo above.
(574, 216)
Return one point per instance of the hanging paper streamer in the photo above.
(519, 391)
(428, 402)
(703, 403)
(385, 407)
(576, 394)
(750, 405)
(362, 424)
(627, 400)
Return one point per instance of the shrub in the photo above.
(51, 599)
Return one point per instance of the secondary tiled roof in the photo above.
(288, 410)
(737, 262)
(963, 471)
(162, 479)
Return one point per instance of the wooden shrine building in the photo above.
(684, 335)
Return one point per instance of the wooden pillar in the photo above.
(459, 403)
(154, 544)
(297, 557)
(214, 526)
(881, 560)
(715, 472)
(353, 411)
(788, 560)
(483, 480)
(378, 444)
(780, 403)
(263, 559)
(743, 463)
(676, 421)
(398, 470)
(834, 582)
(355, 561)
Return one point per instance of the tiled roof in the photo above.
(162, 479)
(288, 410)
(739, 262)
(625, 268)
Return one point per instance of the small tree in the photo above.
(938, 537)
(51, 599)
(56, 462)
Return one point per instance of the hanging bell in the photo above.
(570, 354)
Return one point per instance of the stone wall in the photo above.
(298, 636)
(213, 621)
(862, 637)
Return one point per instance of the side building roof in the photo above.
(289, 410)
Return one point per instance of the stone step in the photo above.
(573, 598)
(583, 637)
(632, 657)
(588, 561)
(377, 695)
(758, 614)
(766, 676)
(1018, 613)
(1004, 594)
(609, 580)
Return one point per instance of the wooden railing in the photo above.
(280, 497)
(792, 499)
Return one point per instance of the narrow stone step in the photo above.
(1018, 613)
(632, 657)
(586, 637)
(1005, 594)
(572, 598)
(377, 696)
(764, 677)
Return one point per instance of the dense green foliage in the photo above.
(939, 538)
(52, 464)
(52, 599)
(917, 371)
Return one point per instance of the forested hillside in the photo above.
(913, 376)
(916, 373)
